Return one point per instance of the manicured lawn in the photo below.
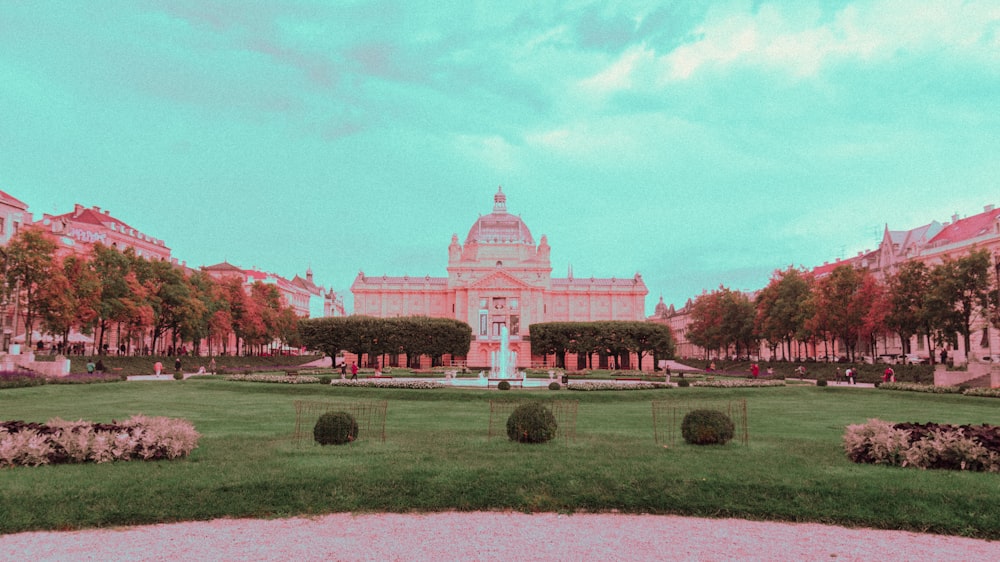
(437, 457)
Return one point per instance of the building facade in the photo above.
(78, 231)
(14, 215)
(306, 298)
(500, 277)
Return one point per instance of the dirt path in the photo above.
(491, 536)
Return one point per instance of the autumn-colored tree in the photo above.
(838, 306)
(705, 328)
(722, 320)
(783, 309)
(873, 300)
(29, 264)
(69, 298)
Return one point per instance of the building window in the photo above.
(483, 303)
(499, 264)
(496, 328)
(482, 324)
(499, 303)
(515, 325)
(2, 224)
(513, 304)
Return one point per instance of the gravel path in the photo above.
(491, 536)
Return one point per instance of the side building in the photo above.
(499, 277)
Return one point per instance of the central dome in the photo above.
(500, 227)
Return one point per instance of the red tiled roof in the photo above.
(92, 216)
(967, 228)
(223, 267)
(12, 201)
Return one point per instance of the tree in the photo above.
(29, 266)
(115, 299)
(959, 291)
(722, 320)
(873, 300)
(838, 307)
(705, 328)
(69, 298)
(783, 309)
(549, 338)
(907, 294)
(170, 299)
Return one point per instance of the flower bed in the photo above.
(386, 383)
(912, 387)
(986, 392)
(296, 379)
(59, 441)
(18, 379)
(606, 385)
(737, 383)
(930, 445)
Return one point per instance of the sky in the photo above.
(701, 144)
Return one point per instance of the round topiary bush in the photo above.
(554, 386)
(531, 423)
(821, 382)
(707, 427)
(683, 383)
(503, 385)
(335, 428)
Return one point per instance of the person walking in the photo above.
(354, 370)
(755, 370)
(212, 366)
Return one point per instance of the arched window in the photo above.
(499, 264)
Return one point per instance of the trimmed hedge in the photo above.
(531, 423)
(707, 427)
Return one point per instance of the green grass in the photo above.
(437, 457)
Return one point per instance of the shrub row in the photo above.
(965, 447)
(20, 379)
(296, 379)
(737, 383)
(607, 385)
(59, 441)
(920, 388)
(387, 383)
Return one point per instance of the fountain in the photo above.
(503, 363)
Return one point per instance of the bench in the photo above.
(636, 379)
(513, 382)
(291, 374)
(380, 377)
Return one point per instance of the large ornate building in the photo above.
(499, 277)
(77, 232)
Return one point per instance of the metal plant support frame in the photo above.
(563, 410)
(668, 415)
(370, 416)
